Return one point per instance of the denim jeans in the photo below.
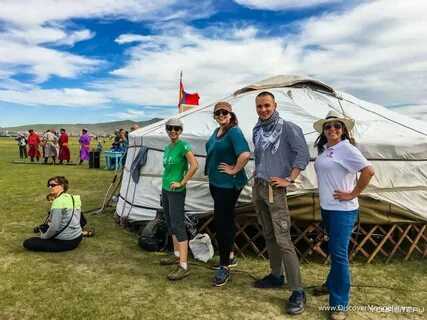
(339, 226)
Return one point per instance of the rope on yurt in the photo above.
(107, 198)
(386, 118)
(124, 218)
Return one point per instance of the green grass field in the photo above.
(109, 277)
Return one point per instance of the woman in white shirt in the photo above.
(337, 166)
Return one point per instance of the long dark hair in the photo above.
(321, 139)
(233, 123)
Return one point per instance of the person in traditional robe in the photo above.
(64, 151)
(33, 145)
(84, 145)
(50, 141)
(22, 145)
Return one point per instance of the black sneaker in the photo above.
(233, 263)
(221, 276)
(296, 303)
(270, 281)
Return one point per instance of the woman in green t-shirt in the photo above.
(227, 154)
(179, 166)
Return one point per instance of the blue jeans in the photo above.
(339, 226)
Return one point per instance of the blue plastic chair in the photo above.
(113, 160)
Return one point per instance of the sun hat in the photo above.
(222, 105)
(331, 117)
(175, 122)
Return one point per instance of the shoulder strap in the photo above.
(68, 223)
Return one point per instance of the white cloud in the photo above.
(212, 66)
(129, 38)
(144, 112)
(76, 36)
(130, 114)
(28, 26)
(38, 12)
(42, 35)
(43, 62)
(375, 51)
(283, 4)
(54, 97)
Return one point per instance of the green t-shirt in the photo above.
(175, 163)
(226, 149)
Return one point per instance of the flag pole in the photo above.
(180, 92)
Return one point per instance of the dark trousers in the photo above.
(23, 152)
(51, 245)
(224, 202)
(173, 206)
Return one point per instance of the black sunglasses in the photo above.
(335, 125)
(174, 128)
(221, 113)
(51, 185)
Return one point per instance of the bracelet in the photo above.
(290, 180)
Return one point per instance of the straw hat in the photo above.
(331, 117)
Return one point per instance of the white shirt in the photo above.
(336, 168)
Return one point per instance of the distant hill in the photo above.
(99, 129)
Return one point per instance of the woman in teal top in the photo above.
(176, 159)
(227, 153)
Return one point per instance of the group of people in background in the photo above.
(55, 146)
(280, 153)
(51, 145)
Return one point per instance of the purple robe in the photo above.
(84, 146)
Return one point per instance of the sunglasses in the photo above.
(335, 125)
(221, 113)
(173, 128)
(51, 185)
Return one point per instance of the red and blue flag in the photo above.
(187, 98)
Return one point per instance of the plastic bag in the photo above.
(201, 247)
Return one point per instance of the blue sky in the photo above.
(93, 61)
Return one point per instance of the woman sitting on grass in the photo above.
(62, 230)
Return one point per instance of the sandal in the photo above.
(88, 232)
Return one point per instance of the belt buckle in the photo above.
(262, 182)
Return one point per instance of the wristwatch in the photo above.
(290, 180)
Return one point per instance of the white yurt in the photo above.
(395, 144)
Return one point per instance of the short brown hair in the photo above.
(60, 180)
(266, 93)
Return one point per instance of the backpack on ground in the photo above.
(154, 236)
